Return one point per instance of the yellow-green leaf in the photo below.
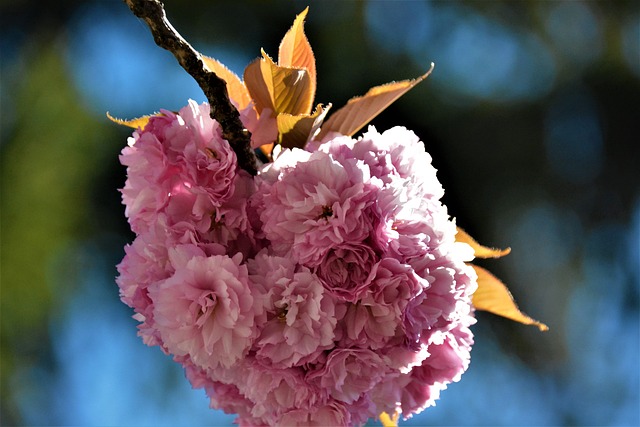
(235, 88)
(479, 250)
(295, 50)
(296, 131)
(361, 110)
(493, 296)
(281, 89)
(138, 123)
(389, 421)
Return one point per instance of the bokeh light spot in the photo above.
(575, 32)
(573, 137)
(475, 57)
(119, 69)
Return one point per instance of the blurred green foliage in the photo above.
(49, 166)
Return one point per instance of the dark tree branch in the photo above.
(215, 89)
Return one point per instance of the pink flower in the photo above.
(333, 414)
(179, 168)
(146, 262)
(323, 291)
(397, 152)
(300, 314)
(195, 144)
(228, 398)
(347, 270)
(349, 373)
(447, 302)
(413, 227)
(206, 310)
(220, 389)
(230, 223)
(317, 204)
(448, 358)
(387, 394)
(145, 166)
(264, 129)
(276, 391)
(378, 316)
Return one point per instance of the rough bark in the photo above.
(215, 89)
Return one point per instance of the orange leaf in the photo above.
(291, 89)
(389, 421)
(235, 88)
(296, 131)
(295, 50)
(361, 110)
(256, 83)
(479, 250)
(493, 296)
(281, 89)
(138, 123)
(267, 150)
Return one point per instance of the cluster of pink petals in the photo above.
(324, 291)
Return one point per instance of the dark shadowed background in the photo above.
(532, 117)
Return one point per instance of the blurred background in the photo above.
(532, 117)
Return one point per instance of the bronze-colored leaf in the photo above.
(295, 50)
(282, 89)
(361, 110)
(479, 250)
(138, 123)
(235, 87)
(291, 89)
(493, 296)
(259, 86)
(296, 131)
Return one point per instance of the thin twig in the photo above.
(215, 89)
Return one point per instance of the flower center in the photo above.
(281, 312)
(326, 212)
(216, 223)
(212, 154)
(207, 308)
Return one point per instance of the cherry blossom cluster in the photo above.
(325, 290)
